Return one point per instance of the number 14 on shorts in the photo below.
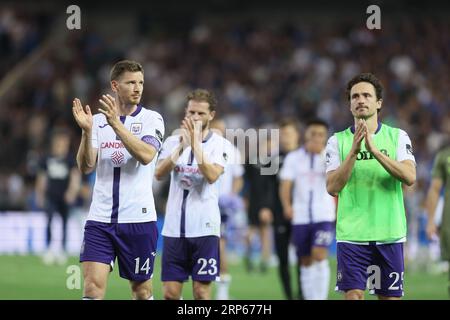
(144, 267)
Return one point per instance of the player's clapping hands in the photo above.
(109, 108)
(360, 133)
(193, 129)
(83, 116)
(368, 139)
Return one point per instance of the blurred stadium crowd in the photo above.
(262, 71)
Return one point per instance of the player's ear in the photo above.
(379, 103)
(114, 85)
(212, 115)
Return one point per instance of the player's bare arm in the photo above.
(141, 151)
(86, 155)
(286, 199)
(431, 204)
(210, 171)
(166, 165)
(337, 179)
(405, 171)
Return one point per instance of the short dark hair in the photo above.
(317, 122)
(365, 77)
(203, 95)
(286, 122)
(123, 66)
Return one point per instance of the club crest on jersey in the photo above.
(117, 158)
(136, 128)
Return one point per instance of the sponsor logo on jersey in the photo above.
(366, 155)
(111, 145)
(189, 169)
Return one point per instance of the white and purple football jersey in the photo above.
(310, 199)
(123, 186)
(192, 206)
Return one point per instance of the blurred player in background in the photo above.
(368, 177)
(441, 180)
(57, 185)
(195, 159)
(122, 141)
(310, 208)
(259, 197)
(289, 141)
(231, 183)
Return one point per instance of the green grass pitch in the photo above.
(26, 277)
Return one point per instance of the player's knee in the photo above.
(171, 294)
(94, 289)
(141, 291)
(319, 256)
(354, 295)
(306, 261)
(202, 292)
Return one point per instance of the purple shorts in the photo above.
(379, 268)
(195, 257)
(134, 245)
(306, 236)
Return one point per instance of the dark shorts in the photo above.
(134, 245)
(306, 236)
(379, 268)
(195, 257)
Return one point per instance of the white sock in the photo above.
(149, 298)
(307, 281)
(322, 279)
(223, 287)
